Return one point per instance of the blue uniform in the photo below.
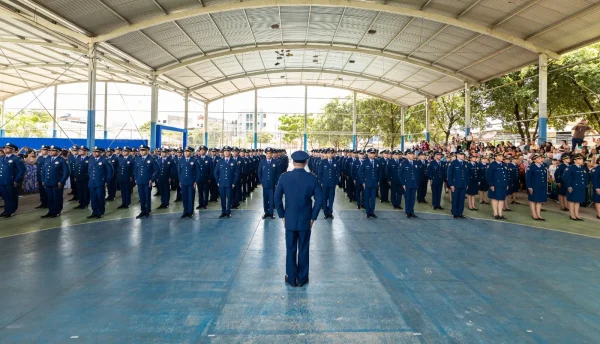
(206, 175)
(393, 176)
(369, 174)
(483, 184)
(12, 170)
(188, 176)
(213, 187)
(558, 179)
(112, 186)
(80, 174)
(299, 187)
(458, 176)
(577, 178)
(329, 175)
(595, 178)
(422, 189)
(125, 179)
(41, 160)
(348, 176)
(267, 172)
(165, 173)
(536, 178)
(145, 172)
(56, 171)
(436, 173)
(72, 161)
(384, 187)
(410, 179)
(473, 186)
(358, 187)
(100, 172)
(497, 177)
(226, 175)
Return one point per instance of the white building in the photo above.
(266, 123)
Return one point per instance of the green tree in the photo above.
(29, 124)
(293, 126)
(262, 137)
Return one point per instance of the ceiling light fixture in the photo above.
(316, 61)
(275, 26)
(283, 76)
(277, 63)
(351, 61)
(372, 32)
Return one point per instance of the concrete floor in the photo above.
(386, 280)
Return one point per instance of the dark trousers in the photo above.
(384, 189)
(214, 191)
(43, 194)
(112, 188)
(83, 194)
(188, 196)
(396, 197)
(575, 142)
(458, 201)
(328, 199)
(236, 195)
(145, 192)
(244, 185)
(126, 190)
(73, 185)
(97, 196)
(225, 194)
(203, 191)
(409, 200)
(297, 244)
(350, 188)
(358, 193)
(436, 194)
(10, 195)
(165, 192)
(55, 199)
(268, 200)
(369, 196)
(422, 190)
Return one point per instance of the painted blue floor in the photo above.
(385, 280)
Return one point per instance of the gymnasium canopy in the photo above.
(403, 51)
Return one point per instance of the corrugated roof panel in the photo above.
(355, 23)
(204, 33)
(178, 5)
(379, 88)
(562, 38)
(401, 72)
(361, 62)
(172, 39)
(184, 76)
(228, 65)
(225, 87)
(250, 61)
(387, 26)
(207, 70)
(140, 47)
(88, 14)
(395, 93)
(234, 27)
(362, 84)
(323, 22)
(243, 83)
(135, 11)
(336, 59)
(261, 20)
(209, 92)
(294, 22)
(380, 66)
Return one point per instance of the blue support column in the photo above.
(354, 142)
(305, 146)
(185, 138)
(467, 109)
(427, 112)
(2, 118)
(402, 143)
(155, 139)
(206, 124)
(543, 99)
(54, 111)
(354, 120)
(402, 118)
(91, 113)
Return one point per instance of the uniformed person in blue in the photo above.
(80, 175)
(206, 171)
(163, 181)
(267, 172)
(562, 188)
(421, 163)
(511, 172)
(536, 179)
(100, 172)
(358, 188)
(12, 171)
(497, 179)
(298, 215)
(458, 180)
(576, 180)
(436, 173)
(214, 189)
(347, 168)
(178, 155)
(189, 174)
(595, 179)
(72, 161)
(56, 174)
(112, 186)
(236, 193)
(384, 186)
(41, 160)
(473, 182)
(393, 178)
(483, 185)
(409, 178)
(226, 176)
(329, 176)
(369, 174)
(145, 173)
(125, 177)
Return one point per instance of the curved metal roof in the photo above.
(400, 50)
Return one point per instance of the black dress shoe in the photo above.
(408, 216)
(222, 215)
(140, 215)
(507, 210)
(205, 207)
(501, 217)
(455, 217)
(198, 207)
(110, 199)
(157, 194)
(184, 216)
(265, 216)
(13, 214)
(302, 284)
(178, 200)
(331, 216)
(73, 199)
(325, 216)
(414, 216)
(41, 206)
(373, 215)
(440, 208)
(358, 207)
(288, 282)
(496, 217)
(272, 216)
(367, 216)
(236, 207)
(462, 217)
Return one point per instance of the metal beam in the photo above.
(255, 119)
(390, 55)
(405, 11)
(91, 110)
(43, 44)
(105, 110)
(570, 18)
(54, 111)
(378, 96)
(305, 133)
(369, 28)
(42, 65)
(308, 70)
(354, 120)
(543, 99)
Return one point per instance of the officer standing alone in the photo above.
(56, 175)
(298, 215)
(329, 176)
(267, 172)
